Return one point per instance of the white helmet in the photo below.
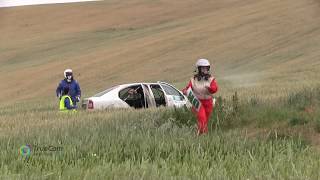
(202, 62)
(67, 71)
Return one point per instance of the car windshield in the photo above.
(104, 92)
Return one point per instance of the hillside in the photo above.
(263, 50)
(267, 45)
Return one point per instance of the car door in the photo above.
(175, 97)
(133, 95)
(149, 99)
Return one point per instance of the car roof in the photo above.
(121, 86)
(138, 83)
(132, 84)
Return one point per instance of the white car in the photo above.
(137, 95)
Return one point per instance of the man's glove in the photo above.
(184, 92)
(59, 96)
(78, 98)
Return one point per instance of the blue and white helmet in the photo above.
(66, 72)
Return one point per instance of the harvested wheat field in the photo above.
(250, 43)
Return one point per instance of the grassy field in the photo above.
(266, 51)
(249, 139)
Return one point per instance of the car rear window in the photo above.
(104, 92)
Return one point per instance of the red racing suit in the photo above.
(203, 89)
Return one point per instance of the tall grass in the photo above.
(162, 143)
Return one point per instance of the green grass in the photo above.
(162, 143)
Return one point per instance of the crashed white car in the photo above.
(137, 95)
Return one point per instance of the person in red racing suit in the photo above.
(203, 86)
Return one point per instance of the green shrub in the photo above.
(297, 121)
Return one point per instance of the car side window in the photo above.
(173, 92)
(158, 94)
